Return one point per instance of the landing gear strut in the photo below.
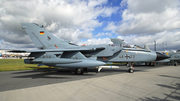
(131, 69)
(98, 69)
(175, 63)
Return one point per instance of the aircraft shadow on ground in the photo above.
(54, 71)
(44, 72)
(67, 73)
(170, 76)
(33, 78)
(172, 95)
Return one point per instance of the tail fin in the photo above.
(146, 47)
(117, 41)
(41, 37)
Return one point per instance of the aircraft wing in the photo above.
(56, 50)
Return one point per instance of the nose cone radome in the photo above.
(161, 56)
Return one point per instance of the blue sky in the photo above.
(115, 17)
(93, 21)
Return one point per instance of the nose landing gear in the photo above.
(131, 69)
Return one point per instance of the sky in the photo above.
(92, 22)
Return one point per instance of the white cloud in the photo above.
(73, 35)
(79, 17)
(9, 45)
(147, 17)
(93, 3)
(104, 34)
(149, 23)
(143, 20)
(108, 11)
(111, 27)
(94, 41)
(53, 26)
(147, 6)
(123, 3)
(167, 37)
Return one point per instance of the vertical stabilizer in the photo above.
(42, 38)
(146, 47)
(117, 41)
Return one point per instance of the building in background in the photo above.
(6, 54)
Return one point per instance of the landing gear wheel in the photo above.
(131, 70)
(79, 71)
(146, 64)
(150, 64)
(175, 64)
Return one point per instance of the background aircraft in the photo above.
(174, 57)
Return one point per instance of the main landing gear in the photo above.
(173, 62)
(80, 71)
(131, 69)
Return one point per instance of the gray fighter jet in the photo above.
(60, 53)
(174, 57)
(55, 52)
(118, 53)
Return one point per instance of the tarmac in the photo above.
(147, 83)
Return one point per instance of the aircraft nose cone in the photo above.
(160, 56)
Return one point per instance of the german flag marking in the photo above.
(41, 33)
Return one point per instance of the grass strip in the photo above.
(17, 64)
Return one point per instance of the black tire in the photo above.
(175, 63)
(85, 70)
(131, 71)
(79, 71)
(150, 64)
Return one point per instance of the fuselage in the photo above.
(120, 54)
(131, 56)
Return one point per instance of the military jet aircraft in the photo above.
(60, 53)
(118, 53)
(174, 56)
(151, 63)
(55, 52)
